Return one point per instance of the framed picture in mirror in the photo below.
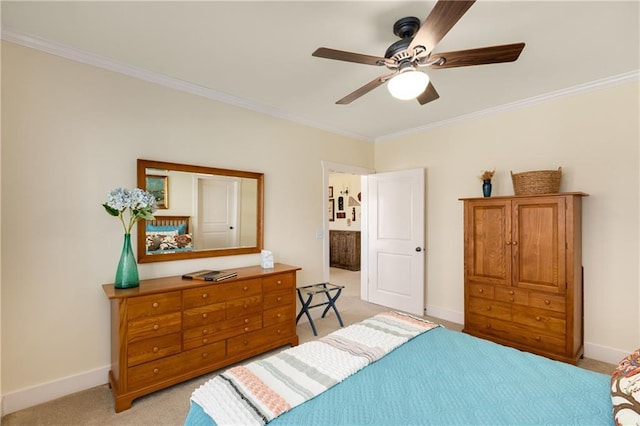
(158, 186)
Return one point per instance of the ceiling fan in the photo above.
(413, 51)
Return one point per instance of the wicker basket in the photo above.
(537, 182)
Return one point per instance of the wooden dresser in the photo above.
(344, 250)
(523, 273)
(169, 330)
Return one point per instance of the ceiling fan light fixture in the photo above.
(408, 84)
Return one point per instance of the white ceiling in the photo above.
(258, 54)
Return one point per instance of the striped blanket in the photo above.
(258, 392)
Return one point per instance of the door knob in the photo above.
(418, 249)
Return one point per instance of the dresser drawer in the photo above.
(241, 307)
(257, 339)
(278, 282)
(204, 356)
(153, 304)
(550, 321)
(489, 308)
(224, 329)
(278, 298)
(278, 315)
(481, 290)
(154, 348)
(512, 295)
(151, 373)
(217, 293)
(155, 326)
(548, 301)
(203, 315)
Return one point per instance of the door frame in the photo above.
(329, 167)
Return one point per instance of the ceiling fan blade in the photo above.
(480, 56)
(364, 89)
(428, 95)
(442, 18)
(341, 55)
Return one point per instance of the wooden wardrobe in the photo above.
(523, 273)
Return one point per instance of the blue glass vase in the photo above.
(127, 273)
(486, 187)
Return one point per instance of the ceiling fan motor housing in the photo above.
(405, 28)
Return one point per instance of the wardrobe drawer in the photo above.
(549, 321)
(548, 301)
(153, 304)
(202, 315)
(150, 349)
(204, 356)
(159, 325)
(512, 295)
(481, 290)
(153, 372)
(489, 308)
(278, 282)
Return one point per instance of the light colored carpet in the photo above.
(170, 406)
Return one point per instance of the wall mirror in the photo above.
(203, 212)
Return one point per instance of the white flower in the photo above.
(140, 204)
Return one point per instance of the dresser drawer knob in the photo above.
(205, 295)
(205, 331)
(279, 282)
(204, 316)
(155, 304)
(245, 342)
(205, 341)
(489, 308)
(245, 288)
(279, 299)
(481, 290)
(155, 349)
(279, 332)
(246, 329)
(245, 306)
(156, 371)
(538, 319)
(279, 315)
(205, 354)
(488, 326)
(246, 320)
(511, 299)
(538, 338)
(156, 327)
(511, 292)
(547, 301)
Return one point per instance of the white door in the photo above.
(217, 213)
(395, 250)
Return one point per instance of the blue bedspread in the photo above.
(448, 378)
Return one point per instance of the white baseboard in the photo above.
(604, 353)
(445, 314)
(38, 394)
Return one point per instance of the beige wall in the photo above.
(595, 137)
(71, 133)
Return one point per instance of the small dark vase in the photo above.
(486, 187)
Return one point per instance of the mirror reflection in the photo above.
(203, 212)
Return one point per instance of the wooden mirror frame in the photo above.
(144, 257)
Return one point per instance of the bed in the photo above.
(168, 234)
(445, 377)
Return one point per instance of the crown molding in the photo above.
(547, 97)
(88, 58)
